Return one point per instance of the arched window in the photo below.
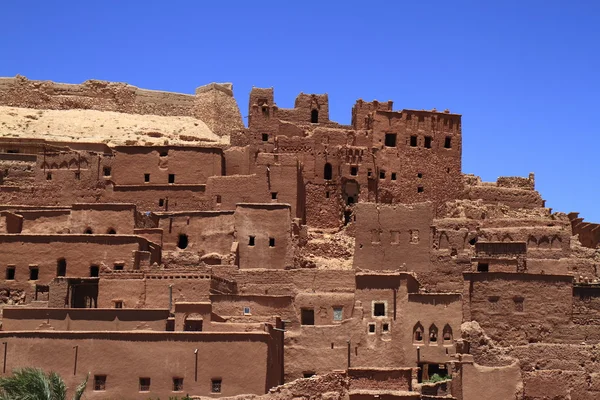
(433, 333)
(88, 231)
(418, 332)
(314, 116)
(182, 241)
(61, 267)
(111, 231)
(447, 333)
(327, 172)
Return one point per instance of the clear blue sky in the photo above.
(524, 74)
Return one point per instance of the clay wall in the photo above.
(542, 241)
(225, 192)
(263, 232)
(510, 196)
(158, 197)
(477, 382)
(396, 379)
(518, 308)
(103, 218)
(150, 355)
(37, 221)
(389, 236)
(323, 305)
(284, 180)
(589, 233)
(261, 307)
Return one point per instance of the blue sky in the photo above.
(524, 74)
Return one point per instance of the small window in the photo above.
(171, 178)
(420, 175)
(77, 175)
(247, 311)
(448, 142)
(371, 328)
(390, 140)
(182, 241)
(433, 333)
(265, 137)
(144, 384)
(251, 240)
(447, 170)
(218, 199)
(34, 273)
(106, 171)
(379, 309)
(273, 195)
(111, 231)
(49, 176)
(119, 304)
(170, 326)
(483, 267)
(427, 142)
(327, 172)
(271, 242)
(177, 384)
(164, 153)
(265, 111)
(338, 313)
(99, 382)
(161, 202)
(393, 176)
(119, 266)
(369, 172)
(518, 304)
(314, 116)
(94, 271)
(146, 178)
(413, 141)
(382, 174)
(61, 267)
(385, 327)
(308, 374)
(10, 273)
(215, 386)
(327, 195)
(353, 171)
(307, 316)
(420, 189)
(88, 231)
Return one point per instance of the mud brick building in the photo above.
(292, 257)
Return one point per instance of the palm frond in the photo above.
(81, 388)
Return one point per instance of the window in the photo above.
(483, 267)
(146, 178)
(94, 270)
(338, 313)
(99, 382)
(371, 328)
(327, 195)
(170, 326)
(119, 304)
(308, 374)
(182, 241)
(265, 137)
(418, 332)
(390, 140)
(144, 384)
(88, 231)
(369, 172)
(49, 176)
(251, 240)
(327, 172)
(420, 189)
(394, 237)
(247, 311)
(447, 333)
(518, 304)
(393, 176)
(215, 386)
(382, 174)
(61, 267)
(448, 142)
(427, 142)
(106, 171)
(379, 309)
(265, 111)
(314, 116)
(385, 327)
(177, 384)
(273, 195)
(420, 175)
(164, 153)
(271, 242)
(353, 171)
(34, 273)
(77, 175)
(218, 199)
(307, 316)
(413, 141)
(119, 266)
(433, 333)
(171, 178)
(161, 202)
(10, 273)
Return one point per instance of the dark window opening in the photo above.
(314, 116)
(385, 327)
(447, 333)
(182, 241)
(371, 328)
(49, 176)
(170, 327)
(118, 304)
(307, 316)
(390, 140)
(106, 171)
(164, 153)
(326, 195)
(421, 118)
(433, 333)
(119, 267)
(428, 142)
(419, 175)
(518, 304)
(161, 202)
(448, 170)
(327, 172)
(265, 137)
(353, 171)
(418, 332)
(177, 384)
(369, 172)
(483, 267)
(12, 151)
(144, 384)
(393, 176)
(273, 195)
(146, 178)
(61, 267)
(171, 178)
(94, 271)
(420, 189)
(379, 310)
(350, 200)
(111, 231)
(192, 325)
(215, 386)
(347, 217)
(271, 242)
(99, 382)
(218, 199)
(10, 273)
(308, 374)
(265, 111)
(473, 241)
(34, 273)
(381, 174)
(251, 240)
(88, 231)
(448, 142)
(77, 175)
(413, 141)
